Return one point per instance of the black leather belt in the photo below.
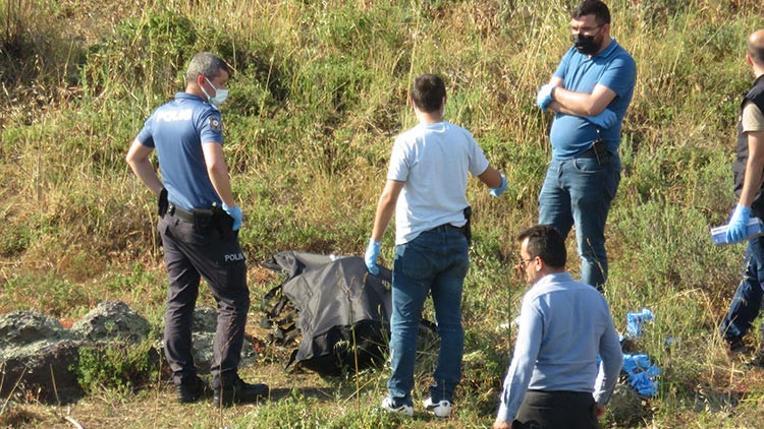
(180, 213)
(598, 151)
(446, 227)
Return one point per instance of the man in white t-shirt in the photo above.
(428, 170)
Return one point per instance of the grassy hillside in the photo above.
(318, 94)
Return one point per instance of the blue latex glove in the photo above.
(235, 213)
(606, 119)
(643, 385)
(496, 192)
(544, 96)
(372, 253)
(736, 229)
(653, 371)
(641, 374)
(634, 364)
(634, 321)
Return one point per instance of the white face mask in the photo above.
(220, 94)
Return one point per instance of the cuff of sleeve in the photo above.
(483, 168)
(503, 415)
(396, 178)
(601, 399)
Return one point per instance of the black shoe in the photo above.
(758, 359)
(736, 346)
(192, 390)
(239, 392)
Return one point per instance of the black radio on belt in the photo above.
(223, 221)
(467, 228)
(598, 151)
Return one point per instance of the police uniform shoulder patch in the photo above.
(216, 124)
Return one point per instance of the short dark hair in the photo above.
(757, 53)
(547, 243)
(207, 64)
(592, 7)
(428, 92)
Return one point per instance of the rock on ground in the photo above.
(44, 370)
(202, 337)
(109, 321)
(38, 357)
(26, 327)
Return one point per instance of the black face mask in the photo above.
(585, 44)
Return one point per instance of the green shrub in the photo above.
(118, 366)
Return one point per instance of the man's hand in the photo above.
(606, 119)
(502, 425)
(599, 410)
(235, 213)
(544, 96)
(372, 253)
(736, 230)
(497, 191)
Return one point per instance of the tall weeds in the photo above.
(319, 91)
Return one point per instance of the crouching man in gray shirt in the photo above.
(564, 325)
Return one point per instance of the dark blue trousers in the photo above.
(747, 300)
(192, 252)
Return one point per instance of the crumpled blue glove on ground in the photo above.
(634, 321)
(641, 374)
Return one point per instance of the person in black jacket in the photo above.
(748, 172)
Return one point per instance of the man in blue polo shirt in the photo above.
(589, 93)
(199, 221)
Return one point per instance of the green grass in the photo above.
(318, 94)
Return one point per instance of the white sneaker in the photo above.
(388, 404)
(441, 409)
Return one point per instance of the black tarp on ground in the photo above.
(338, 304)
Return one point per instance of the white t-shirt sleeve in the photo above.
(753, 120)
(478, 161)
(398, 169)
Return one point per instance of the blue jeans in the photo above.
(435, 262)
(747, 300)
(579, 191)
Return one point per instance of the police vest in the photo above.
(755, 96)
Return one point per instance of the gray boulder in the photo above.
(38, 358)
(26, 327)
(202, 336)
(43, 370)
(205, 320)
(111, 320)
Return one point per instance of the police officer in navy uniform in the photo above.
(199, 223)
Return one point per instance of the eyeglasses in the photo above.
(523, 263)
